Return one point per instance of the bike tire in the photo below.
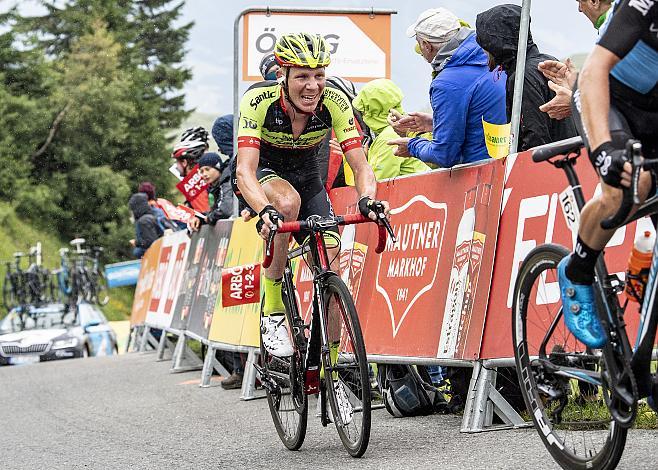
(289, 409)
(349, 370)
(8, 294)
(535, 308)
(100, 289)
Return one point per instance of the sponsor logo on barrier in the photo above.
(241, 285)
(177, 277)
(415, 256)
(156, 292)
(193, 186)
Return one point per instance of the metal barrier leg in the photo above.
(144, 339)
(484, 400)
(162, 345)
(130, 338)
(184, 358)
(210, 363)
(250, 375)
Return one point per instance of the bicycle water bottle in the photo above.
(639, 264)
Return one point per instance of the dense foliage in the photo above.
(87, 91)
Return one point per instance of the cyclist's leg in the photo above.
(286, 200)
(576, 272)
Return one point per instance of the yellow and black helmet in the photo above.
(302, 50)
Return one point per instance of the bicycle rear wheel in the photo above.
(569, 414)
(346, 368)
(283, 380)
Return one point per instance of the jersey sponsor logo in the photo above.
(246, 141)
(350, 144)
(643, 6)
(337, 98)
(266, 95)
(249, 123)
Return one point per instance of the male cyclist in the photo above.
(617, 99)
(281, 126)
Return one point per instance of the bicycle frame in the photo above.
(640, 357)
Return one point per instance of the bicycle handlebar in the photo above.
(383, 226)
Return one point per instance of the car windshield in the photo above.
(36, 320)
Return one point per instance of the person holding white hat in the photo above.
(463, 92)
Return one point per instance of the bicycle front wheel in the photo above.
(283, 380)
(8, 293)
(346, 368)
(102, 295)
(570, 415)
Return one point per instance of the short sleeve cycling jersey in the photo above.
(264, 124)
(631, 33)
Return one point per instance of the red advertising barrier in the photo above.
(426, 295)
(532, 215)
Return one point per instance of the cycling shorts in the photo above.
(313, 195)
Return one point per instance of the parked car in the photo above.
(51, 332)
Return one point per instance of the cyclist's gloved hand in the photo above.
(609, 163)
(273, 215)
(369, 206)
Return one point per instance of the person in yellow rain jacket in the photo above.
(374, 102)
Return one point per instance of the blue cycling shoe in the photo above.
(579, 309)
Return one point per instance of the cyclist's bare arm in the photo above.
(364, 177)
(251, 190)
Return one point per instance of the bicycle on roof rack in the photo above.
(333, 342)
(583, 401)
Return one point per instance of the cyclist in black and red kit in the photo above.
(616, 100)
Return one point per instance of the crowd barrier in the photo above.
(441, 295)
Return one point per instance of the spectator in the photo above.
(148, 188)
(222, 132)
(374, 102)
(193, 143)
(146, 226)
(268, 67)
(562, 76)
(497, 32)
(462, 93)
(220, 194)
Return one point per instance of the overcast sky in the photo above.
(557, 26)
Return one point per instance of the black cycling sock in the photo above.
(580, 268)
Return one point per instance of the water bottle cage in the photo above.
(636, 285)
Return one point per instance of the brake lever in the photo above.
(383, 220)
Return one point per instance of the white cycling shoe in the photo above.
(275, 337)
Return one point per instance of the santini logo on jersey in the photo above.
(263, 96)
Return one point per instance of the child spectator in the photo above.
(374, 101)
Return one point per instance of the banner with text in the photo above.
(372, 32)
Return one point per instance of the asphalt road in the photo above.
(129, 412)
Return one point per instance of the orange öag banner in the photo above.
(147, 276)
(531, 216)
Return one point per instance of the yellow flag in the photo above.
(496, 136)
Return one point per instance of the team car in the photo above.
(52, 332)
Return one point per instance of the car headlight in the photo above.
(71, 342)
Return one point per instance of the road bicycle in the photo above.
(583, 401)
(332, 343)
(37, 280)
(97, 281)
(13, 288)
